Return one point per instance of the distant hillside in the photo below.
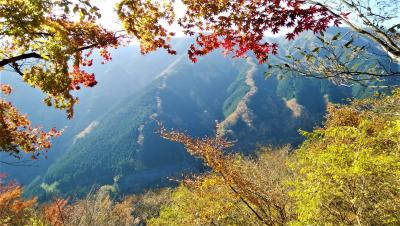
(218, 94)
(125, 75)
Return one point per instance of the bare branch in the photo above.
(377, 33)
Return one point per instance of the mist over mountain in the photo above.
(113, 138)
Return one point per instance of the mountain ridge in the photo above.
(201, 99)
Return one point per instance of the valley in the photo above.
(114, 139)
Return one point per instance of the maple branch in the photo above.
(13, 60)
(16, 67)
(243, 200)
(97, 43)
(19, 57)
(86, 47)
(18, 163)
(45, 34)
(59, 208)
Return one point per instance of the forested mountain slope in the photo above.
(217, 94)
(127, 74)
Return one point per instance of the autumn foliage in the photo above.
(265, 199)
(345, 173)
(17, 133)
(256, 196)
(38, 40)
(99, 208)
(54, 212)
(235, 26)
(14, 210)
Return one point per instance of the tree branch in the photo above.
(18, 58)
(393, 51)
(87, 47)
(244, 200)
(16, 67)
(13, 60)
(372, 26)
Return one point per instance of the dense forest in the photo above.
(143, 121)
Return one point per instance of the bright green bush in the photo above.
(348, 173)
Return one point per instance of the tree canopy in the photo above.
(39, 41)
(348, 171)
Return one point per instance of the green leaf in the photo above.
(316, 50)
(347, 45)
(94, 9)
(75, 9)
(268, 74)
(336, 36)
